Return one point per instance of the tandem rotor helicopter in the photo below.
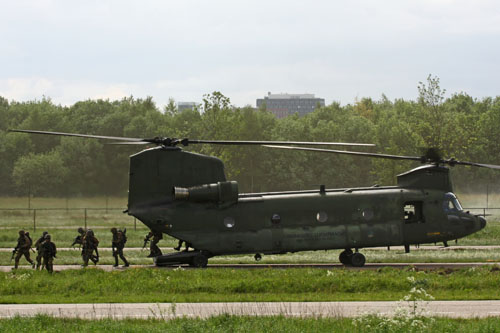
(187, 196)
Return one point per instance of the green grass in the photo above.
(227, 323)
(231, 285)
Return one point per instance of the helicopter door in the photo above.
(353, 235)
(414, 222)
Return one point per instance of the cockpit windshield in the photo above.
(451, 203)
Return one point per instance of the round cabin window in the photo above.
(229, 222)
(322, 217)
(367, 214)
(276, 219)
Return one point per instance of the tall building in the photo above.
(283, 105)
(181, 106)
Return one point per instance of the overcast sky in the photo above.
(338, 50)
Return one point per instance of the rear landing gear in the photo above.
(199, 261)
(348, 258)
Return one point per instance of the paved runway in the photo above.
(454, 309)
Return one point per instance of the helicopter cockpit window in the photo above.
(451, 203)
(413, 212)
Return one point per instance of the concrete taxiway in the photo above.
(452, 309)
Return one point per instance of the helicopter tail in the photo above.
(155, 172)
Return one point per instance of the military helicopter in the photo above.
(187, 196)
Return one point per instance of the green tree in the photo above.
(40, 174)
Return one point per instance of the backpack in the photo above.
(124, 234)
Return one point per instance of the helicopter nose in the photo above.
(482, 222)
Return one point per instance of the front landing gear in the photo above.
(348, 258)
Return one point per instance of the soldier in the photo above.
(89, 245)
(23, 247)
(154, 249)
(79, 239)
(38, 245)
(117, 245)
(178, 248)
(49, 251)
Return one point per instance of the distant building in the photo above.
(181, 106)
(284, 105)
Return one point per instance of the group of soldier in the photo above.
(46, 249)
(89, 245)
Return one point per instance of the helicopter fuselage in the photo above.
(316, 220)
(186, 195)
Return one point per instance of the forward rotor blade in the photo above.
(298, 143)
(129, 143)
(118, 138)
(345, 152)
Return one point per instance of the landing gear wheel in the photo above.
(345, 257)
(358, 259)
(199, 260)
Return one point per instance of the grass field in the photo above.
(249, 285)
(226, 323)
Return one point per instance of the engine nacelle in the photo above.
(221, 192)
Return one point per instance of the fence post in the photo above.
(85, 213)
(34, 220)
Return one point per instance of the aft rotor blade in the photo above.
(118, 138)
(482, 165)
(298, 143)
(345, 152)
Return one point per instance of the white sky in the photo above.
(72, 50)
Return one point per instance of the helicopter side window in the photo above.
(413, 212)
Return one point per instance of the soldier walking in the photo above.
(23, 247)
(117, 245)
(89, 245)
(49, 251)
(154, 250)
(79, 239)
(38, 245)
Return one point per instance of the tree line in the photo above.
(460, 125)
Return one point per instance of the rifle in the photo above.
(146, 240)
(78, 240)
(13, 253)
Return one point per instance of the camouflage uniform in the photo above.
(49, 251)
(38, 244)
(23, 248)
(117, 245)
(154, 249)
(89, 245)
